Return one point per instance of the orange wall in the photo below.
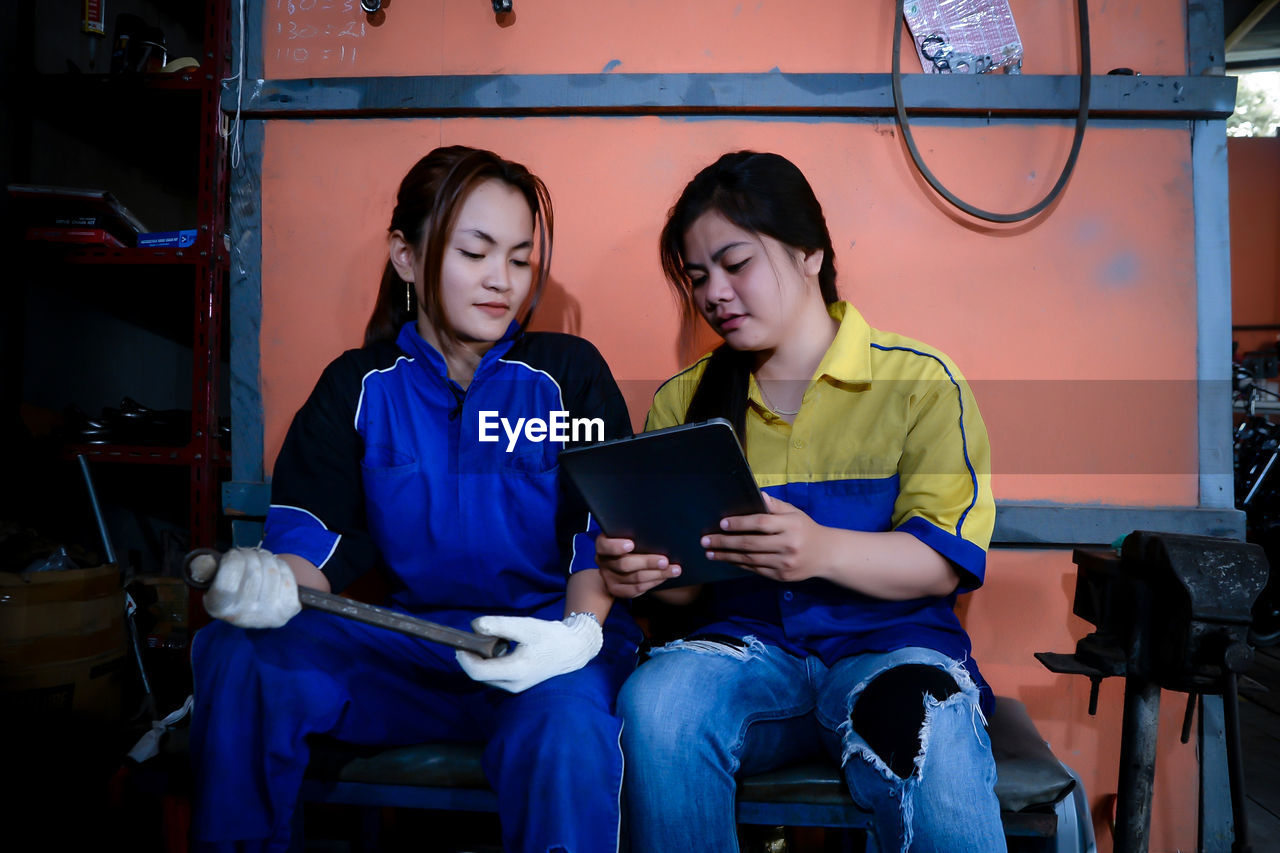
(332, 38)
(1025, 607)
(1254, 166)
(1078, 331)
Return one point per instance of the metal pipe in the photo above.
(1137, 764)
(134, 642)
(1248, 499)
(1235, 765)
(201, 565)
(97, 510)
(1250, 21)
(371, 614)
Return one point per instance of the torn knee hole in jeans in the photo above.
(715, 644)
(934, 707)
(855, 745)
(892, 732)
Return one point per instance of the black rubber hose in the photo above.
(1082, 119)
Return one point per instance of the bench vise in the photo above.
(1171, 611)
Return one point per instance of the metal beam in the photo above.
(1205, 53)
(1215, 828)
(1213, 311)
(255, 50)
(1049, 525)
(1058, 525)
(771, 94)
(246, 307)
(1211, 212)
(1254, 60)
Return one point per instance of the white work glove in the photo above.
(253, 589)
(544, 649)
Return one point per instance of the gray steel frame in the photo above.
(721, 95)
(1204, 101)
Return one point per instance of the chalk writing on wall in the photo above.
(328, 32)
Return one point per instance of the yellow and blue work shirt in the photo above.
(888, 437)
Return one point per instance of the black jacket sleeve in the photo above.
(317, 494)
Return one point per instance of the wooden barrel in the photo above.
(63, 644)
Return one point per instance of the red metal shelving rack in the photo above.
(112, 255)
(208, 258)
(211, 278)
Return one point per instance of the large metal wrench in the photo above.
(482, 644)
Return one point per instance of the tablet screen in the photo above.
(667, 489)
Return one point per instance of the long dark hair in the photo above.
(427, 205)
(758, 192)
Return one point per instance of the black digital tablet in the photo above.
(667, 489)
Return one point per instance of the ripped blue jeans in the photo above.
(697, 714)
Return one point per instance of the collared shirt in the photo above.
(387, 465)
(888, 437)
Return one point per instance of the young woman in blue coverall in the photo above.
(390, 465)
(841, 634)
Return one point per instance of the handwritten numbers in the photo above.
(326, 26)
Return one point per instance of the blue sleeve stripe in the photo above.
(587, 535)
(527, 366)
(559, 390)
(294, 530)
(360, 402)
(964, 441)
(337, 539)
(673, 379)
(967, 556)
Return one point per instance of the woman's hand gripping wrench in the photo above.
(201, 565)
